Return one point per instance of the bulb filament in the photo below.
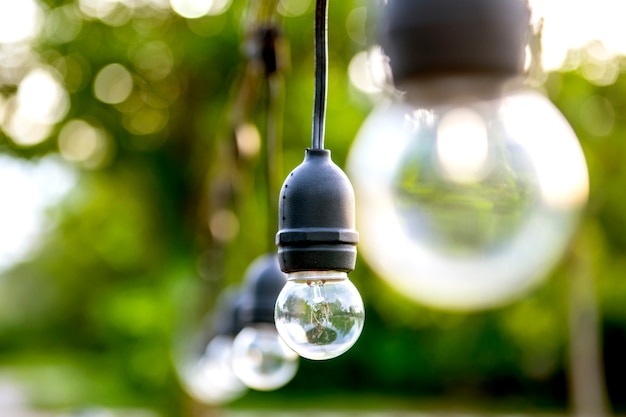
(321, 331)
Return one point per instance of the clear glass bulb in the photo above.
(319, 314)
(467, 203)
(261, 360)
(211, 379)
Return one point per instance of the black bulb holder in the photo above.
(430, 38)
(316, 217)
(262, 283)
(227, 316)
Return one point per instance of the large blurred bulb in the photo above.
(319, 314)
(466, 203)
(261, 360)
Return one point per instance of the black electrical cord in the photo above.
(321, 73)
(273, 156)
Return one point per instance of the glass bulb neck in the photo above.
(306, 276)
(456, 89)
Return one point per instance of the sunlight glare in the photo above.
(26, 190)
(40, 102)
(368, 70)
(41, 97)
(553, 144)
(463, 146)
(572, 24)
(19, 20)
(359, 73)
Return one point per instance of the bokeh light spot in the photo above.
(41, 97)
(248, 140)
(219, 7)
(293, 7)
(224, 225)
(599, 66)
(192, 9)
(368, 71)
(154, 60)
(83, 143)
(95, 8)
(145, 121)
(111, 12)
(359, 73)
(23, 131)
(40, 102)
(597, 116)
(113, 84)
(62, 25)
(19, 20)
(356, 25)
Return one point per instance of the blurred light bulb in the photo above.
(319, 314)
(261, 360)
(211, 380)
(466, 202)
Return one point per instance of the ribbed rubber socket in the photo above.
(263, 282)
(317, 217)
(430, 38)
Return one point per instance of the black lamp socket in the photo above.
(431, 38)
(263, 282)
(227, 317)
(316, 220)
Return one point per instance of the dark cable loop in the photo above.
(321, 73)
(275, 109)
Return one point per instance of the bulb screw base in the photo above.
(316, 217)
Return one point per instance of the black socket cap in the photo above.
(316, 217)
(263, 282)
(430, 38)
(226, 318)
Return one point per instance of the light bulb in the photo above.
(211, 379)
(261, 360)
(319, 314)
(467, 201)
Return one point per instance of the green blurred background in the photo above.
(153, 206)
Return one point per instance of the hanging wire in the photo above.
(261, 77)
(267, 57)
(274, 152)
(321, 73)
(259, 88)
(270, 53)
